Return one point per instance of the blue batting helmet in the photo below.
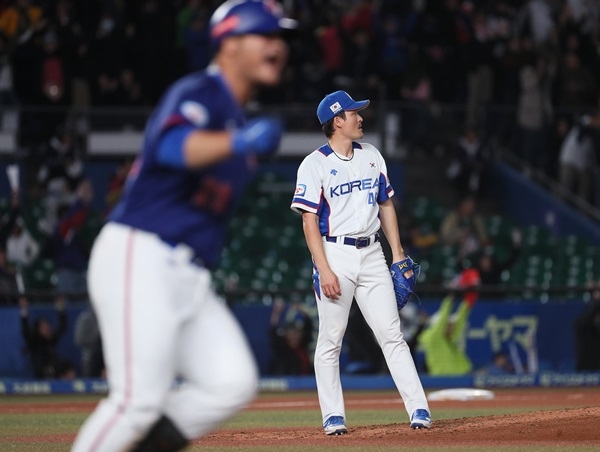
(240, 17)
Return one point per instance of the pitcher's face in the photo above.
(352, 126)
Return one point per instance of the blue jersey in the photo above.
(178, 204)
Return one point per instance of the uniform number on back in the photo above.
(213, 195)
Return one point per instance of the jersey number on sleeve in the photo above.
(213, 195)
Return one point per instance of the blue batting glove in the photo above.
(258, 136)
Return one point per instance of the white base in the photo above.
(462, 394)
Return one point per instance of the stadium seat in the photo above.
(40, 275)
(538, 240)
(426, 212)
(499, 229)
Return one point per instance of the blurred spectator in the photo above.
(464, 228)
(576, 85)
(394, 33)
(71, 251)
(87, 338)
(490, 270)
(557, 136)
(500, 365)
(20, 19)
(130, 91)
(536, 19)
(21, 247)
(8, 280)
(578, 158)
(587, 334)
(23, 24)
(61, 169)
(504, 48)
(9, 276)
(55, 83)
(480, 77)
(106, 94)
(417, 97)
(360, 65)
(508, 67)
(8, 98)
(42, 339)
(152, 48)
(534, 114)
(107, 52)
(9, 218)
(74, 45)
(471, 157)
(291, 334)
(437, 37)
(506, 92)
(443, 340)
(332, 45)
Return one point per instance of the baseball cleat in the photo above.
(334, 425)
(420, 419)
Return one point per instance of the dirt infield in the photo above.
(558, 417)
(577, 426)
(556, 427)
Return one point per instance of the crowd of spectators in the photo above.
(536, 54)
(534, 61)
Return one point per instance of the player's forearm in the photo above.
(389, 224)
(314, 241)
(202, 148)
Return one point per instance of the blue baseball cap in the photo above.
(335, 103)
(240, 17)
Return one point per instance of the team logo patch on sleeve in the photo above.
(300, 190)
(195, 113)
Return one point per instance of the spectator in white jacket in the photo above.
(577, 157)
(21, 247)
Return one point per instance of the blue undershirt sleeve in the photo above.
(170, 146)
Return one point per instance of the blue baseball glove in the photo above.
(404, 287)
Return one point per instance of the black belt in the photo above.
(359, 242)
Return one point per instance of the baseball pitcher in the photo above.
(344, 196)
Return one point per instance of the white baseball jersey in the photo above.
(344, 193)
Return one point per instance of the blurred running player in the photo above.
(149, 277)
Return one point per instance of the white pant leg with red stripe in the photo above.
(159, 319)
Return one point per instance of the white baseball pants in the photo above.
(159, 320)
(363, 274)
